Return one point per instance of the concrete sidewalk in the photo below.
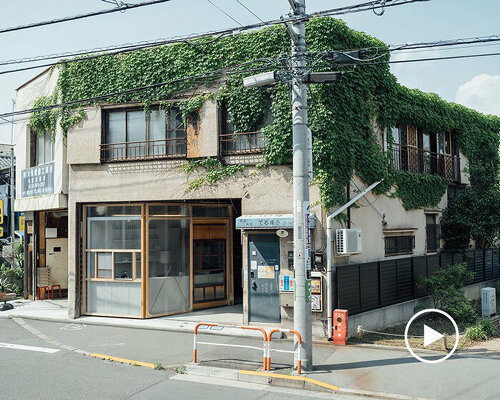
(358, 368)
(57, 311)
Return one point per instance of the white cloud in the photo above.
(481, 93)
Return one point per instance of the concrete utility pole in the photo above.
(301, 239)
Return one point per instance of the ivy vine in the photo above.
(342, 116)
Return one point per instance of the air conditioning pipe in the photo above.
(329, 252)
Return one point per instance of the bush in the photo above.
(13, 278)
(483, 330)
(446, 288)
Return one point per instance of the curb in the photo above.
(289, 381)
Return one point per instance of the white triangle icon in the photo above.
(430, 335)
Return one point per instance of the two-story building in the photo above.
(131, 198)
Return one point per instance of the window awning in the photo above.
(270, 221)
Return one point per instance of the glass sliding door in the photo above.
(168, 285)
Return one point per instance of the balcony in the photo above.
(242, 143)
(413, 159)
(144, 150)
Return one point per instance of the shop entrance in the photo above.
(209, 264)
(264, 271)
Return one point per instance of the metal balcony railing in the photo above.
(144, 150)
(242, 143)
(413, 159)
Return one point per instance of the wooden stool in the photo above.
(45, 289)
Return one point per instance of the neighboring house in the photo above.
(5, 191)
(148, 233)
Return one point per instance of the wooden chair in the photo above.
(43, 282)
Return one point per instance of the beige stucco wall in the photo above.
(42, 85)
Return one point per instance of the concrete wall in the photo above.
(42, 85)
(384, 317)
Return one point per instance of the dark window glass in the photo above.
(44, 148)
(210, 211)
(432, 233)
(395, 245)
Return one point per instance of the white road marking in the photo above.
(28, 348)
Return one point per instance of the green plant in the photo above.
(13, 278)
(446, 288)
(342, 116)
(482, 330)
(212, 170)
(158, 366)
(4, 285)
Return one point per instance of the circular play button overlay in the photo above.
(431, 335)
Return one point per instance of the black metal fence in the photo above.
(367, 286)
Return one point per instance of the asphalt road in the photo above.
(45, 371)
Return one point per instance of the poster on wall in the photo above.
(316, 295)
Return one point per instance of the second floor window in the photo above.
(232, 142)
(42, 148)
(135, 134)
(418, 150)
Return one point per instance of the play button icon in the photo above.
(431, 335)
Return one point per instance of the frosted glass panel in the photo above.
(114, 298)
(114, 233)
(104, 265)
(168, 281)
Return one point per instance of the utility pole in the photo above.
(12, 188)
(301, 238)
(302, 169)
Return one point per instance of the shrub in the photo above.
(13, 278)
(446, 289)
(482, 330)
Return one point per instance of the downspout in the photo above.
(329, 253)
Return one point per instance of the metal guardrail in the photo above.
(266, 345)
(264, 348)
(298, 351)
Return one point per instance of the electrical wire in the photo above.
(250, 11)
(176, 39)
(210, 74)
(225, 13)
(121, 8)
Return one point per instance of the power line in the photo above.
(177, 39)
(225, 13)
(123, 7)
(214, 73)
(250, 11)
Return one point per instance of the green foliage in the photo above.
(446, 288)
(419, 190)
(342, 116)
(11, 279)
(212, 170)
(482, 330)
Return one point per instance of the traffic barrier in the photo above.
(266, 355)
(298, 351)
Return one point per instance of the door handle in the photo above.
(254, 285)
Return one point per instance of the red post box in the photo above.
(340, 327)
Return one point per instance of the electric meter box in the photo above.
(488, 302)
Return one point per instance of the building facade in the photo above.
(122, 213)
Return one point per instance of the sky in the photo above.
(473, 82)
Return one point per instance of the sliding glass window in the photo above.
(113, 258)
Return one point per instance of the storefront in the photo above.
(151, 259)
(46, 253)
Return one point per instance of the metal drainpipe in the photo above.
(329, 253)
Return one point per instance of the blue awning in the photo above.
(270, 221)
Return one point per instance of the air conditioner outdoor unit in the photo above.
(348, 241)
(488, 302)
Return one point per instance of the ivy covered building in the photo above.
(167, 198)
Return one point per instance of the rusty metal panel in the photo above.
(194, 141)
